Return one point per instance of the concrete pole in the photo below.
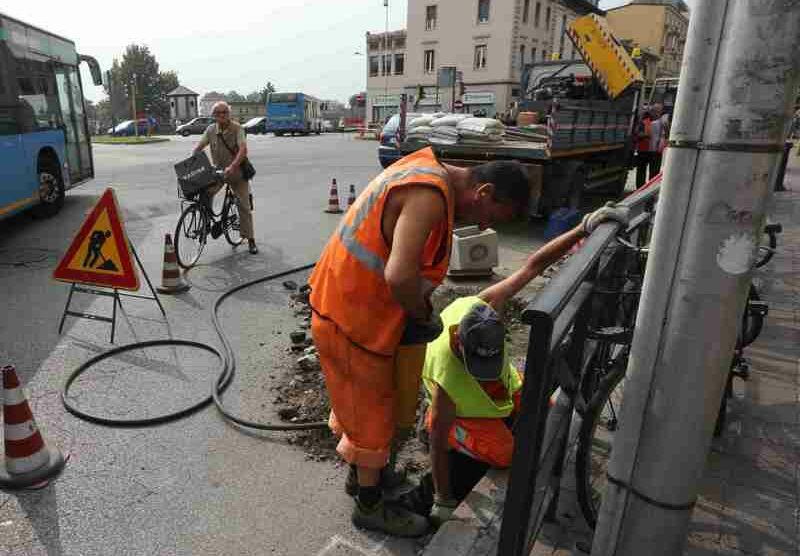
(740, 69)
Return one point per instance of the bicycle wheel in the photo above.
(233, 232)
(190, 235)
(595, 442)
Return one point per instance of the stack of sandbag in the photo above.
(480, 131)
(444, 129)
(419, 129)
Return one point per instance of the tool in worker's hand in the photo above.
(422, 331)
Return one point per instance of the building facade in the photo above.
(659, 26)
(207, 102)
(241, 111)
(182, 105)
(386, 73)
(485, 44)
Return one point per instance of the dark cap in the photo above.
(482, 336)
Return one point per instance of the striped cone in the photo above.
(28, 461)
(351, 197)
(171, 281)
(333, 199)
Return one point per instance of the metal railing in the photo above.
(559, 317)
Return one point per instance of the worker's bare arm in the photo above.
(420, 210)
(497, 294)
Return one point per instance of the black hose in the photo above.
(227, 359)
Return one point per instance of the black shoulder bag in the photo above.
(248, 170)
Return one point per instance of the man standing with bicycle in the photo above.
(228, 144)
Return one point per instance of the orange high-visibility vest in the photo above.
(348, 284)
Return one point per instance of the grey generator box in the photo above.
(474, 252)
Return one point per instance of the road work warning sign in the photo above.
(100, 254)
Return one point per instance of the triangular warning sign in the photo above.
(100, 254)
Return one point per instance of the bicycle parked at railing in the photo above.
(604, 386)
(198, 220)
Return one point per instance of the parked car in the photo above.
(388, 151)
(195, 126)
(256, 125)
(126, 128)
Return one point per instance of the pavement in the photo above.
(197, 486)
(749, 497)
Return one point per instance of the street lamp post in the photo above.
(133, 106)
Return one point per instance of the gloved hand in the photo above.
(422, 331)
(606, 213)
(442, 510)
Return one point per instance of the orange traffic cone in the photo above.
(351, 197)
(333, 199)
(171, 281)
(28, 462)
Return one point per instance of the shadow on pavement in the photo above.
(41, 509)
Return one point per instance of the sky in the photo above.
(298, 45)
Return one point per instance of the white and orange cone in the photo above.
(171, 280)
(333, 199)
(28, 461)
(351, 197)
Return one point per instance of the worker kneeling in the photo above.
(472, 387)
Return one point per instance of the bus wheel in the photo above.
(51, 188)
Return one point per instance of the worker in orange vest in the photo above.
(372, 285)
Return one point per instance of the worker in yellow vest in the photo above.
(472, 387)
(371, 287)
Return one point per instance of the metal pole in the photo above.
(739, 71)
(386, 55)
(133, 105)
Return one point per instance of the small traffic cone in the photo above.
(28, 461)
(333, 199)
(351, 197)
(171, 280)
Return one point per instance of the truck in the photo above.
(587, 109)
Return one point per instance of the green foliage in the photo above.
(139, 69)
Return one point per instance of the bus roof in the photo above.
(37, 42)
(28, 25)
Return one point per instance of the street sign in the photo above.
(100, 254)
(458, 105)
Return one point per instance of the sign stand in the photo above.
(116, 295)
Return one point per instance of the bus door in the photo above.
(16, 189)
(70, 99)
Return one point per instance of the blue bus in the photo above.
(45, 147)
(293, 113)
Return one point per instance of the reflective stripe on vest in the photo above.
(347, 233)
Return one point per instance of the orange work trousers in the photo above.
(361, 387)
(484, 439)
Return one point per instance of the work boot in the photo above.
(252, 246)
(389, 479)
(390, 519)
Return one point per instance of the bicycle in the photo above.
(604, 384)
(752, 323)
(198, 220)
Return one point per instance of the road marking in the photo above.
(337, 541)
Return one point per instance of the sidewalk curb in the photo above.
(475, 526)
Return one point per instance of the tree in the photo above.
(233, 96)
(139, 69)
